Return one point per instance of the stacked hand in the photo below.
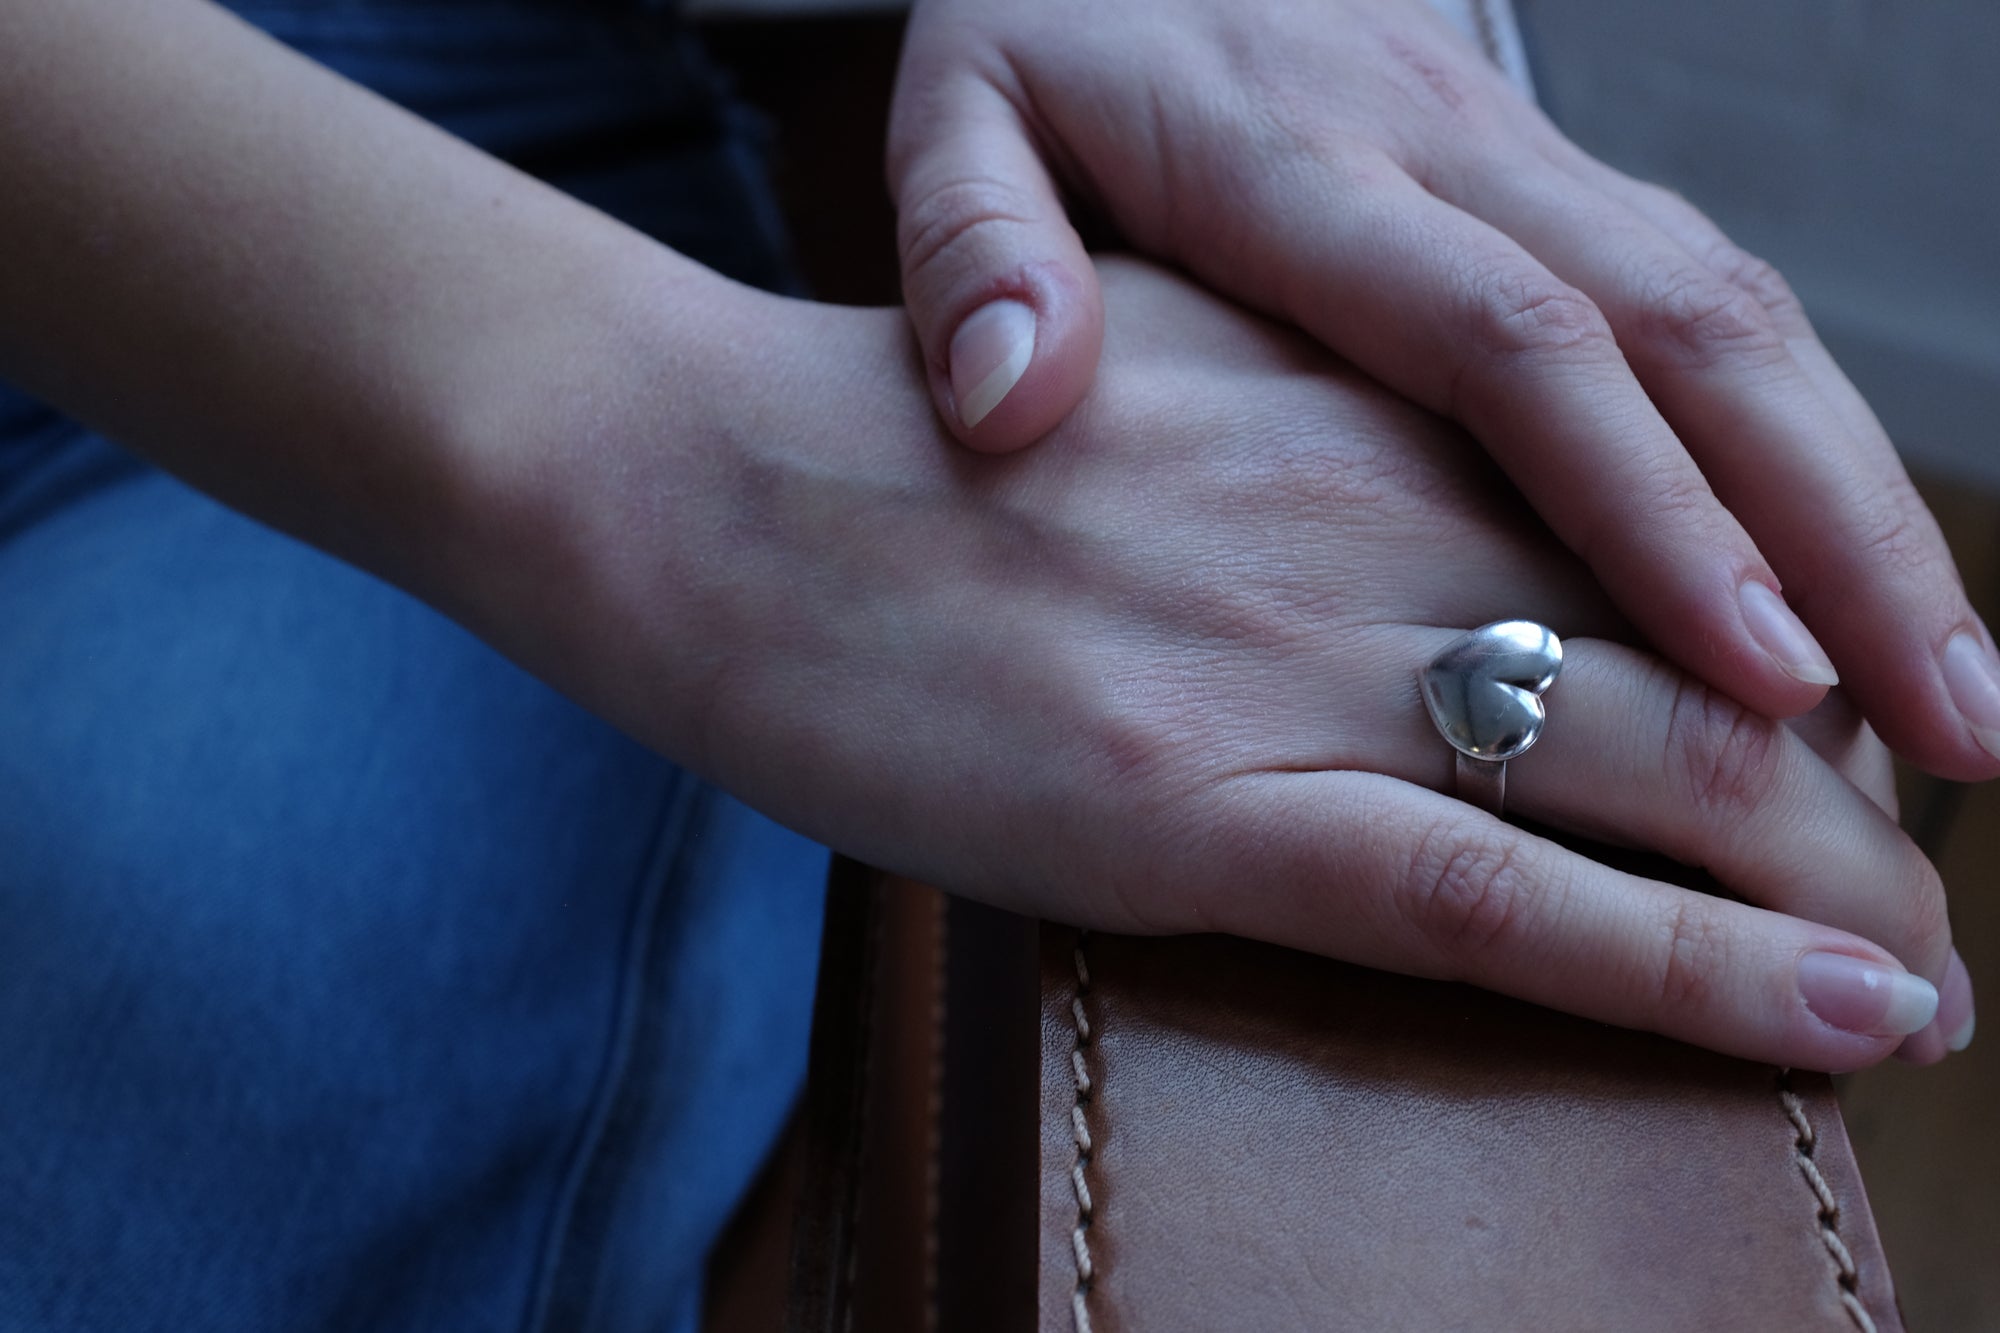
(1159, 675)
(1359, 171)
(1158, 672)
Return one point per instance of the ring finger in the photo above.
(1639, 754)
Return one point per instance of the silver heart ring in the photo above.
(1484, 692)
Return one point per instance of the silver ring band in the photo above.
(1483, 782)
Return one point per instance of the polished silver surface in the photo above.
(1484, 695)
(1483, 782)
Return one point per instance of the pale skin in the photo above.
(1154, 676)
(1357, 169)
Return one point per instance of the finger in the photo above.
(1004, 301)
(1725, 350)
(1842, 738)
(1955, 1016)
(1364, 867)
(1867, 565)
(1637, 754)
(1456, 316)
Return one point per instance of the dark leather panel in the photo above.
(1278, 1141)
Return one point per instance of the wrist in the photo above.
(595, 452)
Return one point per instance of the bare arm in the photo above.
(284, 288)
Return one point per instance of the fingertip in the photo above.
(1937, 707)
(1783, 638)
(1019, 362)
(997, 284)
(1740, 659)
(1923, 1048)
(1955, 1005)
(1733, 633)
(988, 355)
(1972, 679)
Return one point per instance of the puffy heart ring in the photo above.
(1484, 692)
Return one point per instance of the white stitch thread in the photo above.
(1841, 1254)
(1846, 1276)
(1079, 1237)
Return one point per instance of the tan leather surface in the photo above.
(1279, 1141)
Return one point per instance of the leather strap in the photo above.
(1212, 1134)
(1238, 1136)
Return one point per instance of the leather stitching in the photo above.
(1079, 1121)
(1847, 1279)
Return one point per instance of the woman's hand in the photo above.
(1159, 674)
(1355, 168)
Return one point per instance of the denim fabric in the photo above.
(350, 979)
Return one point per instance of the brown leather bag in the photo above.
(1014, 1126)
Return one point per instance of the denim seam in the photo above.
(620, 1051)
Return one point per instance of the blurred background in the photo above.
(1856, 145)
(1853, 143)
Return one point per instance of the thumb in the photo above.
(1004, 299)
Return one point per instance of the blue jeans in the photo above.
(350, 979)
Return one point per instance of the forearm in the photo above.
(287, 290)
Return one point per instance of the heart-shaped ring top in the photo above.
(1484, 689)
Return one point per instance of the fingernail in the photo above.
(1955, 1004)
(989, 353)
(1872, 999)
(1973, 678)
(1784, 636)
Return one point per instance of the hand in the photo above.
(1354, 167)
(1158, 675)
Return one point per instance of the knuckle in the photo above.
(1722, 256)
(1466, 895)
(1432, 84)
(1696, 946)
(1728, 757)
(1530, 317)
(1701, 320)
(1518, 317)
(1761, 279)
(1899, 537)
(940, 221)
